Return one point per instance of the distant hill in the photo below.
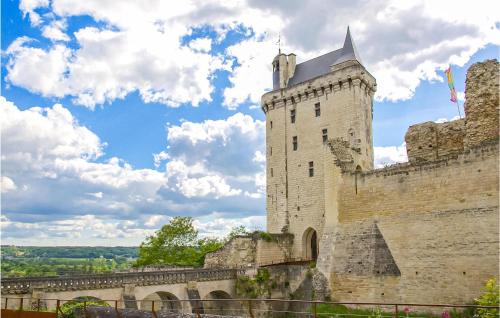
(108, 252)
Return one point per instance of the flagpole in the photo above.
(458, 108)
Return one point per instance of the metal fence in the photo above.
(240, 308)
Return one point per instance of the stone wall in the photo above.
(240, 251)
(482, 102)
(431, 141)
(276, 250)
(251, 250)
(425, 233)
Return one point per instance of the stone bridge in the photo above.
(132, 290)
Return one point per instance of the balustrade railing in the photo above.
(97, 281)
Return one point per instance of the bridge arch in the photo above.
(219, 303)
(310, 246)
(163, 301)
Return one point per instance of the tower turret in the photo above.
(283, 70)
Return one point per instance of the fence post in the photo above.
(250, 308)
(21, 304)
(58, 303)
(85, 309)
(6, 300)
(116, 309)
(153, 308)
(38, 304)
(396, 311)
(315, 310)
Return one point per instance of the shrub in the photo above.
(491, 297)
(68, 308)
(266, 236)
(261, 285)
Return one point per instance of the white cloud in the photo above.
(210, 155)
(385, 156)
(97, 195)
(201, 44)
(197, 181)
(38, 70)
(28, 7)
(444, 120)
(158, 158)
(7, 184)
(91, 228)
(219, 224)
(55, 31)
(155, 220)
(108, 65)
(397, 41)
(212, 130)
(63, 180)
(53, 156)
(254, 75)
(259, 157)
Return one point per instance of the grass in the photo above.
(341, 311)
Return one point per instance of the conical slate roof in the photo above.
(349, 50)
(320, 65)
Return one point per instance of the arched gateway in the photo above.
(310, 245)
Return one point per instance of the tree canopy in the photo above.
(176, 243)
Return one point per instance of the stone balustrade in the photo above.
(114, 280)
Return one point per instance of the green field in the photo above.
(23, 261)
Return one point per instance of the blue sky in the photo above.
(117, 117)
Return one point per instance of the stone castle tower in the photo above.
(314, 105)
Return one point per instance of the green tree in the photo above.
(491, 297)
(176, 243)
(237, 231)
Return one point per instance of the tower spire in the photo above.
(349, 50)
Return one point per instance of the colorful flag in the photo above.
(451, 84)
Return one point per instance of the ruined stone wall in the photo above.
(430, 141)
(482, 102)
(240, 251)
(250, 251)
(425, 233)
(278, 249)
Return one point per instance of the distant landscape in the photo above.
(22, 261)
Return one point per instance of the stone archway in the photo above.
(216, 304)
(163, 301)
(310, 245)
